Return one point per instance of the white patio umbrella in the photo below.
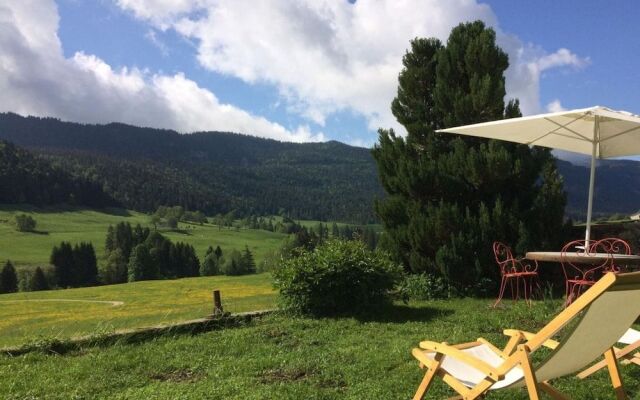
(596, 131)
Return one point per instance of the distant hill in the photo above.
(142, 168)
(616, 190)
(25, 178)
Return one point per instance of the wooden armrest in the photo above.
(456, 353)
(549, 343)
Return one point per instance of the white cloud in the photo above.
(528, 63)
(326, 55)
(555, 106)
(153, 38)
(36, 79)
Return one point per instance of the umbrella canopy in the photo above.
(596, 131)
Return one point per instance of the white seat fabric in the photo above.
(470, 376)
(630, 336)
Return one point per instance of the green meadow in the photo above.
(75, 225)
(30, 316)
(279, 357)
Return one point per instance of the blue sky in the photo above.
(299, 70)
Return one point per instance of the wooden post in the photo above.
(217, 303)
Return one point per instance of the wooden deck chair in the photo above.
(626, 355)
(598, 319)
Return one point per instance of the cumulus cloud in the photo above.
(326, 55)
(555, 106)
(36, 79)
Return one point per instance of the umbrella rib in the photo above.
(560, 127)
(569, 129)
(620, 134)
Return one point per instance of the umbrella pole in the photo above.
(592, 178)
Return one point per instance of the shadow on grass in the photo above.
(181, 231)
(59, 347)
(39, 232)
(400, 313)
(59, 208)
(120, 212)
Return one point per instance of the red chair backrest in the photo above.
(578, 270)
(504, 257)
(611, 246)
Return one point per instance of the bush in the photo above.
(25, 223)
(424, 287)
(235, 264)
(211, 265)
(338, 277)
(115, 268)
(270, 261)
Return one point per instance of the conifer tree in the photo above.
(140, 264)
(249, 264)
(86, 264)
(64, 265)
(38, 281)
(8, 279)
(210, 265)
(115, 270)
(449, 197)
(335, 232)
(109, 242)
(233, 264)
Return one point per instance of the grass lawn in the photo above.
(287, 358)
(31, 316)
(75, 225)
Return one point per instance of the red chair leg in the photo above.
(528, 282)
(503, 285)
(568, 293)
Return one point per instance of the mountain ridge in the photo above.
(210, 171)
(145, 167)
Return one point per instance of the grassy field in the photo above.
(285, 358)
(75, 225)
(30, 316)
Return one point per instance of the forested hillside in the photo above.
(143, 168)
(25, 178)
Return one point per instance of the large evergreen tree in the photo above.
(140, 264)
(86, 264)
(449, 197)
(8, 279)
(248, 261)
(38, 281)
(63, 261)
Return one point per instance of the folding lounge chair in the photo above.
(626, 355)
(598, 319)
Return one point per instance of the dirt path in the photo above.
(113, 303)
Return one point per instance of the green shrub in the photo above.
(234, 264)
(338, 277)
(424, 287)
(25, 223)
(211, 265)
(270, 261)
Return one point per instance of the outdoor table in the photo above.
(582, 258)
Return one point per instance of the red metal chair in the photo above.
(580, 275)
(514, 269)
(612, 246)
